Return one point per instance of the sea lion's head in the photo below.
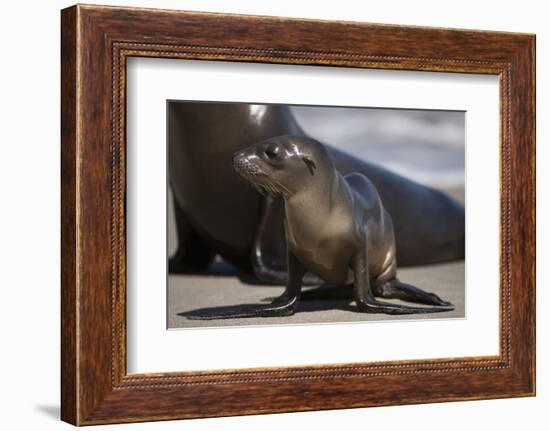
(281, 165)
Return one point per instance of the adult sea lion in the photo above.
(217, 213)
(335, 227)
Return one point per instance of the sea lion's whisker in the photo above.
(286, 190)
(272, 189)
(268, 187)
(283, 189)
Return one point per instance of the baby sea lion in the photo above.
(216, 213)
(336, 227)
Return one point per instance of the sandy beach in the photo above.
(189, 292)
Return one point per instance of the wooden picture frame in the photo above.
(95, 43)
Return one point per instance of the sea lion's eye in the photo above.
(272, 151)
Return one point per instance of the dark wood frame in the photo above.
(95, 43)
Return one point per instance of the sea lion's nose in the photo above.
(238, 157)
(239, 161)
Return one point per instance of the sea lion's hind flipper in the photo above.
(371, 305)
(275, 309)
(364, 292)
(394, 289)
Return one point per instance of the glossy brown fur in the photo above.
(226, 213)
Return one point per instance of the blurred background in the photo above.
(425, 146)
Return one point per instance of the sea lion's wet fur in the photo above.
(336, 227)
(217, 213)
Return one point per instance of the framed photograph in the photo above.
(264, 215)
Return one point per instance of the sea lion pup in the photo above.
(217, 213)
(335, 226)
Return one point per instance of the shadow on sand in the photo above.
(323, 298)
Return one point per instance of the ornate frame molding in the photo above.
(96, 41)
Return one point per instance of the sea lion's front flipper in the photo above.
(269, 247)
(284, 305)
(193, 254)
(274, 309)
(367, 303)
